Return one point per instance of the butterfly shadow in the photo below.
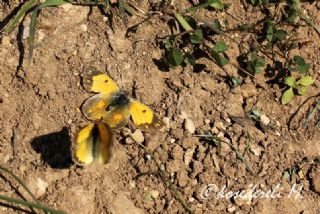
(55, 148)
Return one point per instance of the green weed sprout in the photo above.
(299, 87)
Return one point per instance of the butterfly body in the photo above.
(119, 99)
(113, 106)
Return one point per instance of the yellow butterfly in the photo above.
(113, 106)
(93, 142)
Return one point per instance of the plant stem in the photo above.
(30, 204)
(24, 9)
(296, 5)
(183, 22)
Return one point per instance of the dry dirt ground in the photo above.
(40, 113)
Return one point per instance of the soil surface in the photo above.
(40, 114)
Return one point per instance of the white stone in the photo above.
(154, 194)
(264, 119)
(137, 136)
(84, 27)
(189, 126)
(166, 121)
(188, 156)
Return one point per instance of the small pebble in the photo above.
(132, 184)
(189, 126)
(231, 209)
(166, 121)
(191, 199)
(264, 119)
(125, 131)
(188, 156)
(137, 136)
(154, 194)
(221, 126)
(220, 135)
(84, 27)
(256, 150)
(214, 130)
(225, 149)
(41, 35)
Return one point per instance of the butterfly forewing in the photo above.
(93, 80)
(143, 117)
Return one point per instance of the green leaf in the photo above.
(175, 57)
(302, 67)
(305, 81)
(216, 23)
(286, 174)
(257, 70)
(220, 47)
(270, 37)
(280, 34)
(302, 90)
(235, 81)
(270, 30)
(168, 43)
(196, 38)
(189, 59)
(219, 58)
(21, 13)
(287, 96)
(299, 60)
(216, 4)
(260, 62)
(290, 81)
(256, 112)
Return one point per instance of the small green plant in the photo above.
(299, 87)
(255, 63)
(218, 53)
(180, 48)
(298, 64)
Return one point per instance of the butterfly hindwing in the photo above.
(103, 146)
(84, 145)
(117, 116)
(143, 117)
(94, 108)
(93, 80)
(94, 143)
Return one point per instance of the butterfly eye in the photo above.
(108, 108)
